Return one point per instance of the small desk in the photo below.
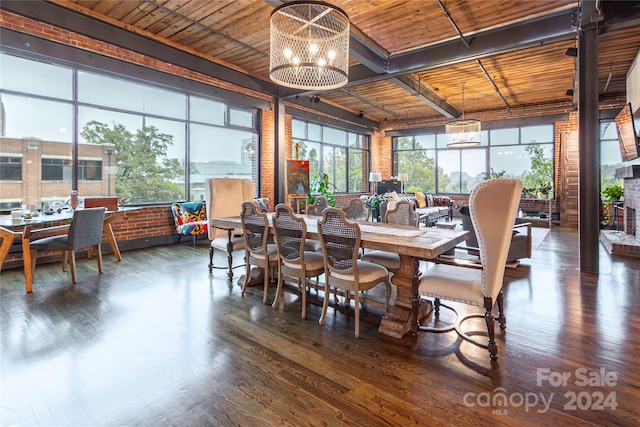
(412, 244)
(9, 231)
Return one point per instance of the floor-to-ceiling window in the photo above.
(341, 154)
(114, 136)
(523, 152)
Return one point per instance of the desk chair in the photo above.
(258, 252)
(294, 260)
(85, 231)
(494, 206)
(342, 269)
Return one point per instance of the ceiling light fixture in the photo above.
(463, 133)
(309, 46)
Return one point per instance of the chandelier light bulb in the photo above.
(296, 61)
(322, 62)
(332, 55)
(313, 49)
(287, 53)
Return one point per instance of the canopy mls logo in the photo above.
(593, 399)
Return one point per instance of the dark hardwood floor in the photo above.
(156, 340)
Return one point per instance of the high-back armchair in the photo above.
(224, 197)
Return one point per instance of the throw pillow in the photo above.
(422, 201)
(393, 196)
(429, 200)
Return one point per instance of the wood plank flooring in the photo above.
(156, 340)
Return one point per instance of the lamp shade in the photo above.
(375, 177)
(463, 133)
(309, 46)
(403, 177)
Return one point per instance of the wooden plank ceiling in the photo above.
(497, 78)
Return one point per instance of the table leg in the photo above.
(108, 230)
(398, 321)
(27, 260)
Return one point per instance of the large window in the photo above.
(610, 158)
(341, 154)
(134, 140)
(509, 152)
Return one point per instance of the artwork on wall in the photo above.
(297, 176)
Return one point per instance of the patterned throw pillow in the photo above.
(429, 200)
(422, 201)
(263, 203)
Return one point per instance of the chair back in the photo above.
(317, 207)
(356, 211)
(494, 206)
(340, 241)
(255, 227)
(86, 228)
(404, 213)
(290, 234)
(224, 197)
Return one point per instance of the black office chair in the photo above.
(85, 231)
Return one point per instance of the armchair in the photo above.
(190, 219)
(520, 246)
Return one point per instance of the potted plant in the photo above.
(320, 186)
(544, 189)
(613, 193)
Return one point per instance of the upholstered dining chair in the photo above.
(258, 251)
(85, 231)
(356, 210)
(294, 260)
(340, 240)
(494, 205)
(403, 213)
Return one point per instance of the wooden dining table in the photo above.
(28, 229)
(412, 244)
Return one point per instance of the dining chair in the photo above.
(258, 251)
(403, 213)
(294, 260)
(85, 231)
(356, 211)
(316, 208)
(340, 240)
(494, 205)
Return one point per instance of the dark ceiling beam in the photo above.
(373, 104)
(426, 95)
(316, 103)
(82, 24)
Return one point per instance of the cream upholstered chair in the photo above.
(258, 252)
(85, 231)
(356, 211)
(342, 269)
(403, 213)
(294, 260)
(224, 197)
(494, 205)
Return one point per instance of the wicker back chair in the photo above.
(356, 211)
(404, 212)
(294, 260)
(258, 252)
(342, 269)
(317, 207)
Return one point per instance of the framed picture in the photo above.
(297, 176)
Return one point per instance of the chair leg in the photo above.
(303, 291)
(230, 257)
(279, 287)
(492, 346)
(246, 276)
(356, 299)
(210, 260)
(325, 303)
(502, 320)
(99, 257)
(436, 306)
(194, 240)
(65, 255)
(267, 278)
(179, 238)
(72, 265)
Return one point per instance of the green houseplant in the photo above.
(613, 193)
(320, 186)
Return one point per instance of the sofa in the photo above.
(430, 208)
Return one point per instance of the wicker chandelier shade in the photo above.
(463, 133)
(309, 46)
